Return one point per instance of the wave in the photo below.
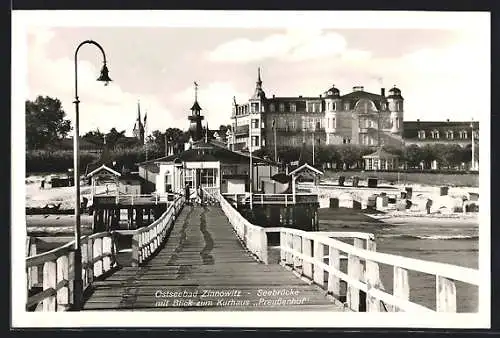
(430, 237)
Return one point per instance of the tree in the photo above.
(412, 154)
(349, 155)
(45, 122)
(114, 137)
(95, 137)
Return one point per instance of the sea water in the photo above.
(444, 240)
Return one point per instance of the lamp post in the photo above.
(473, 164)
(104, 77)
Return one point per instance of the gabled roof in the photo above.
(211, 151)
(303, 167)
(380, 153)
(103, 167)
(361, 94)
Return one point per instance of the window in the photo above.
(255, 141)
(383, 164)
(334, 106)
(369, 164)
(463, 134)
(272, 108)
(449, 134)
(384, 106)
(397, 123)
(346, 106)
(255, 123)
(188, 178)
(421, 134)
(207, 177)
(168, 182)
(282, 107)
(293, 107)
(435, 134)
(293, 124)
(334, 123)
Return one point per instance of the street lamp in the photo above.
(104, 77)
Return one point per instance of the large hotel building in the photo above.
(358, 117)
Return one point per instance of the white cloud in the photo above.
(294, 45)
(101, 106)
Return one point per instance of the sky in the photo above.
(441, 63)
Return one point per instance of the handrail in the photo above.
(98, 258)
(146, 240)
(305, 253)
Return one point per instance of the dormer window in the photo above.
(293, 107)
(282, 107)
(435, 134)
(272, 108)
(463, 134)
(421, 134)
(449, 134)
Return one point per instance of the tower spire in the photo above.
(259, 93)
(195, 91)
(259, 81)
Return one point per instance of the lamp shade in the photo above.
(104, 77)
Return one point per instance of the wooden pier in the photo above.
(197, 248)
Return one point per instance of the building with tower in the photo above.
(138, 130)
(358, 117)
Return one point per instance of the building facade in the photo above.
(430, 132)
(358, 117)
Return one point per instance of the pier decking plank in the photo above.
(204, 267)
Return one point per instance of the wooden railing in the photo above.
(253, 237)
(312, 254)
(284, 199)
(145, 241)
(133, 199)
(57, 267)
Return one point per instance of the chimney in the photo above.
(320, 96)
(418, 120)
(447, 120)
(300, 96)
(382, 92)
(274, 96)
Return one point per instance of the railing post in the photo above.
(97, 254)
(446, 295)
(49, 282)
(85, 264)
(135, 250)
(263, 246)
(334, 263)
(106, 249)
(297, 248)
(289, 245)
(282, 247)
(372, 282)
(319, 273)
(354, 271)
(71, 276)
(62, 277)
(307, 250)
(401, 288)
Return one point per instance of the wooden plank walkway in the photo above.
(203, 266)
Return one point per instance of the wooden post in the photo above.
(319, 273)
(371, 245)
(90, 264)
(372, 281)
(85, 262)
(401, 288)
(263, 246)
(297, 247)
(62, 277)
(106, 249)
(334, 263)
(135, 250)
(307, 249)
(354, 271)
(289, 245)
(49, 282)
(446, 295)
(32, 271)
(71, 276)
(98, 257)
(282, 246)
